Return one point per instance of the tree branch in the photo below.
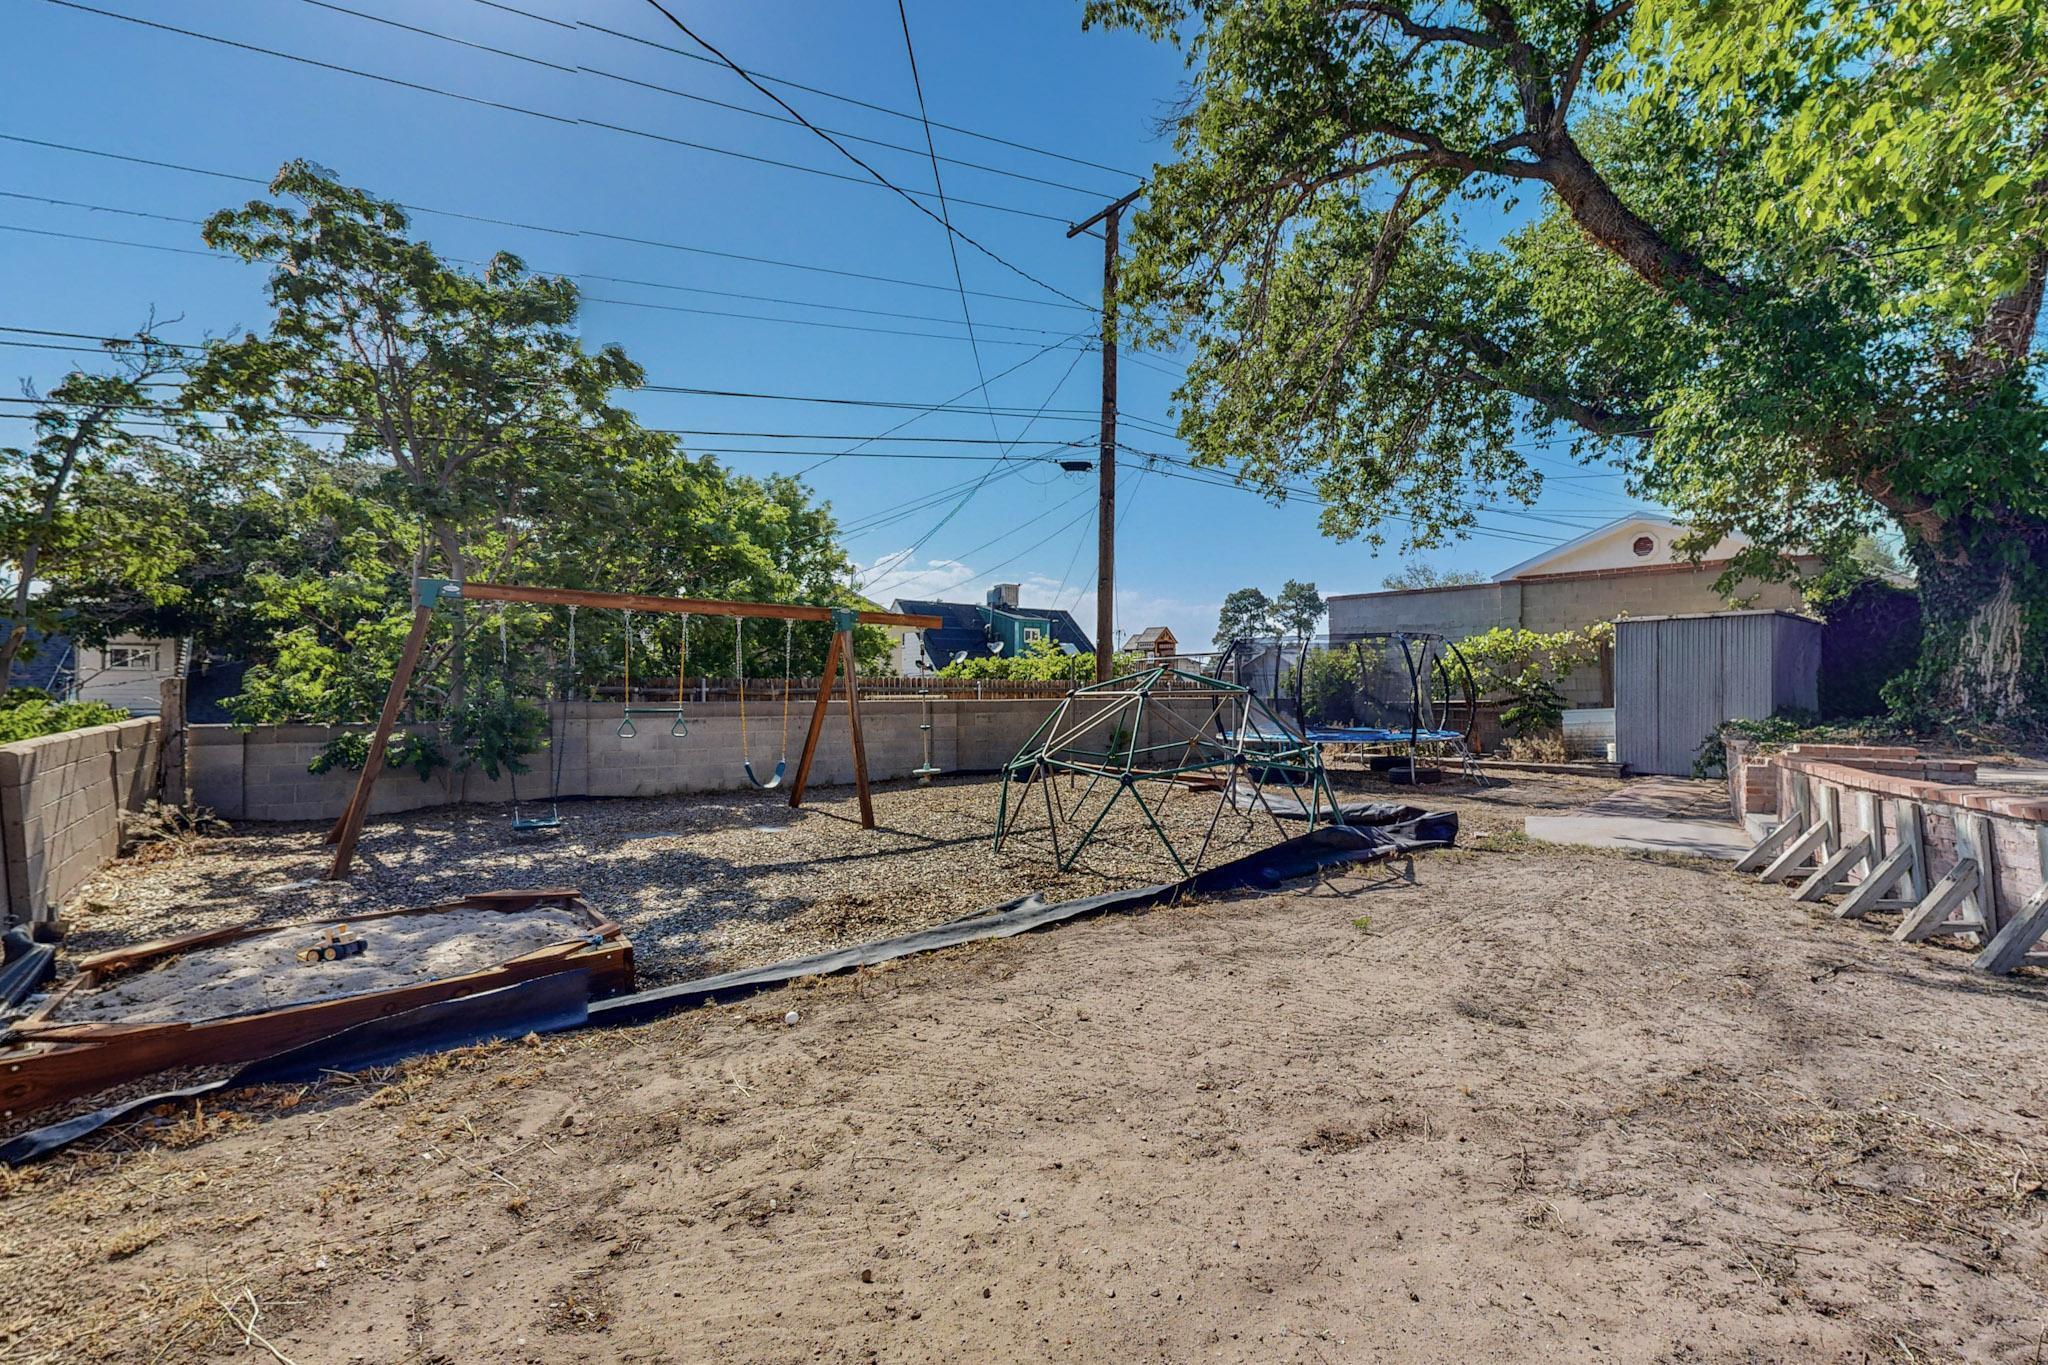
(2005, 338)
(1425, 33)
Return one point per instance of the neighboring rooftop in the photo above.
(1626, 543)
(971, 629)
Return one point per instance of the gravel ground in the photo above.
(701, 883)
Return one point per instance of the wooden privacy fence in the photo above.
(1879, 831)
(805, 689)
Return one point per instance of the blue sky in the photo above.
(590, 151)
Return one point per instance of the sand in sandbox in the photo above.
(261, 973)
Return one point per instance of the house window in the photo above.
(139, 657)
(1032, 635)
(1643, 546)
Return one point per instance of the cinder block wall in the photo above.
(61, 801)
(260, 773)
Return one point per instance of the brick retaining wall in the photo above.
(1899, 781)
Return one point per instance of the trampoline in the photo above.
(1393, 692)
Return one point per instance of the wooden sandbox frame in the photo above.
(49, 1061)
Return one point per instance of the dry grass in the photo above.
(1885, 1167)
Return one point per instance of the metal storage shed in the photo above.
(1677, 678)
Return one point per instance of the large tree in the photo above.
(473, 386)
(460, 429)
(1780, 260)
(86, 496)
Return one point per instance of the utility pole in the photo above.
(1105, 464)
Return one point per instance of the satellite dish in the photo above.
(961, 657)
(995, 646)
(1069, 650)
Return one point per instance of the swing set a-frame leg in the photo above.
(349, 827)
(839, 655)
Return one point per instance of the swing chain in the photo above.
(788, 654)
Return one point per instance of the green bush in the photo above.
(1535, 707)
(1780, 728)
(1329, 687)
(406, 750)
(1508, 656)
(26, 717)
(1041, 661)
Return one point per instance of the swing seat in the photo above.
(534, 824)
(772, 783)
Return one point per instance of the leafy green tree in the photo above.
(1782, 261)
(1246, 613)
(228, 499)
(80, 498)
(473, 386)
(1422, 574)
(462, 431)
(1298, 610)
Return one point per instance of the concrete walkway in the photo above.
(1652, 815)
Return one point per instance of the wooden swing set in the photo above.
(430, 592)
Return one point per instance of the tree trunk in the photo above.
(1984, 602)
(9, 649)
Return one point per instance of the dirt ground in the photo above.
(1535, 1104)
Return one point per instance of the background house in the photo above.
(973, 630)
(1625, 568)
(1154, 642)
(128, 670)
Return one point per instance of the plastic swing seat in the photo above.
(537, 823)
(739, 672)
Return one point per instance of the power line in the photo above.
(843, 99)
(1477, 528)
(804, 322)
(584, 69)
(159, 422)
(890, 563)
(982, 387)
(881, 179)
(922, 409)
(541, 114)
(627, 303)
(968, 496)
(546, 229)
(912, 506)
(945, 213)
(833, 400)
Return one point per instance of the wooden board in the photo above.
(55, 1062)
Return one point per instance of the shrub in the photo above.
(1508, 656)
(1779, 728)
(1535, 707)
(406, 750)
(1042, 661)
(35, 715)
